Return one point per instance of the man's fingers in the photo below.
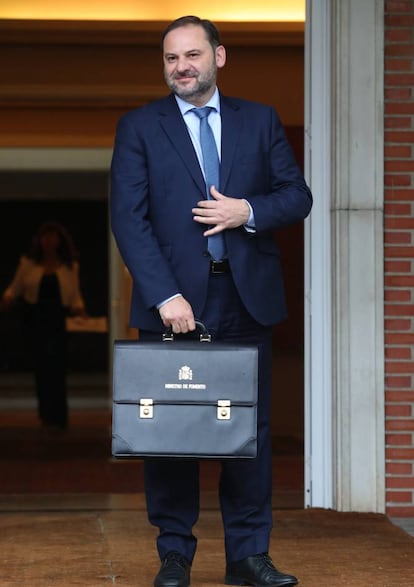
(216, 194)
(214, 230)
(224, 213)
(177, 314)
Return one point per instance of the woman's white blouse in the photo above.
(27, 279)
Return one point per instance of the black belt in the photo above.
(220, 266)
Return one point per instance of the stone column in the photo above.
(354, 233)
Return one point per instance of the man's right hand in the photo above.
(178, 314)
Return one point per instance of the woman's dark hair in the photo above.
(65, 250)
(210, 29)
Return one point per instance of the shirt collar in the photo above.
(185, 107)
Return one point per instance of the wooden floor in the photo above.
(72, 516)
(55, 542)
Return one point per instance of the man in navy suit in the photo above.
(163, 224)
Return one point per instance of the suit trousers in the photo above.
(245, 485)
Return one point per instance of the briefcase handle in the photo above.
(168, 335)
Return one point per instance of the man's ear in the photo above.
(220, 56)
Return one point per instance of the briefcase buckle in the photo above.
(223, 409)
(146, 409)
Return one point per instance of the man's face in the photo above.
(190, 64)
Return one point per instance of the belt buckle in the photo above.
(217, 267)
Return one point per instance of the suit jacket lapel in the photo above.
(174, 126)
(230, 133)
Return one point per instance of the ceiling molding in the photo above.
(54, 159)
(141, 33)
(77, 96)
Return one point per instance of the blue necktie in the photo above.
(211, 164)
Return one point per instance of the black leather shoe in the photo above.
(257, 571)
(174, 571)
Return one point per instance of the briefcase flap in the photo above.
(184, 372)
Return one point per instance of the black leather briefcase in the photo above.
(193, 399)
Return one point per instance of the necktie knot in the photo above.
(203, 112)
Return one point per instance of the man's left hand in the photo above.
(221, 211)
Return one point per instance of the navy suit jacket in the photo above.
(156, 180)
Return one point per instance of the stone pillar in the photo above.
(344, 298)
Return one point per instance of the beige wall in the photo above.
(66, 84)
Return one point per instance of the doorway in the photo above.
(76, 124)
(78, 201)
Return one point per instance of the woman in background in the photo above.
(47, 279)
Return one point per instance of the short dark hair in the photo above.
(210, 29)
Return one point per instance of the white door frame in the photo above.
(344, 332)
(318, 338)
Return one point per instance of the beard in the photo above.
(203, 83)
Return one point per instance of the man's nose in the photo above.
(182, 64)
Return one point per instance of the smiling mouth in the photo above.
(184, 76)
